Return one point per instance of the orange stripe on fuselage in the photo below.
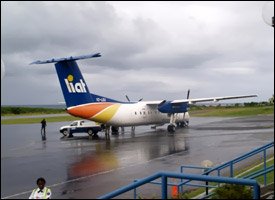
(89, 110)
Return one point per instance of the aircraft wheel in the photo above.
(180, 124)
(171, 128)
(103, 126)
(186, 123)
(114, 130)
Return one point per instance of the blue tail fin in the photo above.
(73, 85)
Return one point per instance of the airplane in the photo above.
(81, 103)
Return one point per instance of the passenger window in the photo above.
(144, 112)
(140, 113)
(135, 113)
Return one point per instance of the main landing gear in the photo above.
(171, 128)
(113, 129)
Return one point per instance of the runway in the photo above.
(85, 168)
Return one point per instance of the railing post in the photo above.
(135, 191)
(206, 183)
(231, 169)
(256, 192)
(181, 180)
(219, 173)
(164, 186)
(265, 167)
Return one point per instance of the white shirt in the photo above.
(44, 194)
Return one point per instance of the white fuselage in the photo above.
(141, 114)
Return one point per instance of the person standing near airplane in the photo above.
(41, 192)
(43, 129)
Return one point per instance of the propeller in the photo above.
(188, 93)
(133, 127)
(187, 97)
(130, 100)
(127, 98)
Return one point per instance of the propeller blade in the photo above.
(127, 98)
(188, 93)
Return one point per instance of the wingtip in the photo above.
(35, 62)
(97, 55)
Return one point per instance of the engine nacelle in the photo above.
(168, 107)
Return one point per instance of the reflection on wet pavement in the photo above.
(79, 167)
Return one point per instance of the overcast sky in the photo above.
(154, 50)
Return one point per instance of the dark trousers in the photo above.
(43, 131)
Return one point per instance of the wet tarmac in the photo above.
(80, 167)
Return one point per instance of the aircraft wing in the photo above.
(154, 103)
(215, 99)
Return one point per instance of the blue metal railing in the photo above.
(203, 177)
(243, 157)
(181, 183)
(229, 164)
(260, 172)
(165, 175)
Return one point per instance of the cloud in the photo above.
(171, 46)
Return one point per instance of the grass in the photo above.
(192, 193)
(38, 120)
(196, 111)
(12, 111)
(270, 176)
(231, 111)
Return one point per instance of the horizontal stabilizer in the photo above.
(71, 58)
